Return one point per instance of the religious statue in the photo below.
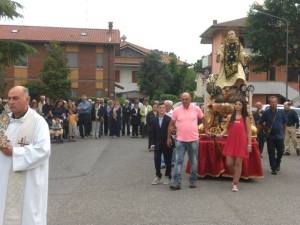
(232, 57)
(228, 85)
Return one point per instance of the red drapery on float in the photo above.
(211, 163)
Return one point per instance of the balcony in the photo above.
(274, 88)
(206, 61)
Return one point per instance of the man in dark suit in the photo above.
(107, 118)
(126, 110)
(260, 136)
(160, 135)
(149, 120)
(135, 120)
(101, 114)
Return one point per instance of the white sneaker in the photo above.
(167, 181)
(156, 181)
(152, 147)
(235, 188)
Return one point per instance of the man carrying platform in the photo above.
(185, 119)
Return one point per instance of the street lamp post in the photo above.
(286, 49)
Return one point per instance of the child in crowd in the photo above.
(72, 119)
(56, 130)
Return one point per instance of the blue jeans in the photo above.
(192, 150)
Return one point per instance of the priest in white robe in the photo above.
(24, 163)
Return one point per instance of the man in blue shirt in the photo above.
(84, 115)
(274, 123)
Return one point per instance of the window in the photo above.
(72, 60)
(73, 92)
(99, 60)
(272, 73)
(133, 77)
(98, 93)
(117, 75)
(22, 61)
(293, 74)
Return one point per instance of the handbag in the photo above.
(267, 130)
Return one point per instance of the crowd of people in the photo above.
(70, 119)
(171, 133)
(168, 129)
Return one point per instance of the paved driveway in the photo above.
(108, 182)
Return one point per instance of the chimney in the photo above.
(110, 25)
(215, 22)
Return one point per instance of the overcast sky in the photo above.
(167, 25)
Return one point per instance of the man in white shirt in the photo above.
(169, 107)
(24, 162)
(41, 103)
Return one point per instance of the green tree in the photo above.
(267, 35)
(10, 51)
(189, 83)
(36, 89)
(153, 76)
(2, 82)
(8, 9)
(198, 68)
(174, 98)
(55, 72)
(177, 77)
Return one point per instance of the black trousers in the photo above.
(135, 130)
(115, 128)
(143, 129)
(101, 128)
(89, 126)
(66, 129)
(150, 138)
(167, 153)
(83, 123)
(106, 125)
(261, 141)
(275, 146)
(125, 124)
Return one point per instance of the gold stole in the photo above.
(17, 180)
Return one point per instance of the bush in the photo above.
(35, 89)
(173, 98)
(198, 99)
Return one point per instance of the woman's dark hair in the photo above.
(244, 112)
(57, 103)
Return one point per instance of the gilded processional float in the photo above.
(224, 89)
(227, 86)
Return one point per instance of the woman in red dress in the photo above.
(238, 144)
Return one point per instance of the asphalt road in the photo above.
(108, 182)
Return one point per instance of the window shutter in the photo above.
(117, 75)
(134, 80)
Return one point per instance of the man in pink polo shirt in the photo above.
(185, 121)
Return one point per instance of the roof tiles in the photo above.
(46, 34)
